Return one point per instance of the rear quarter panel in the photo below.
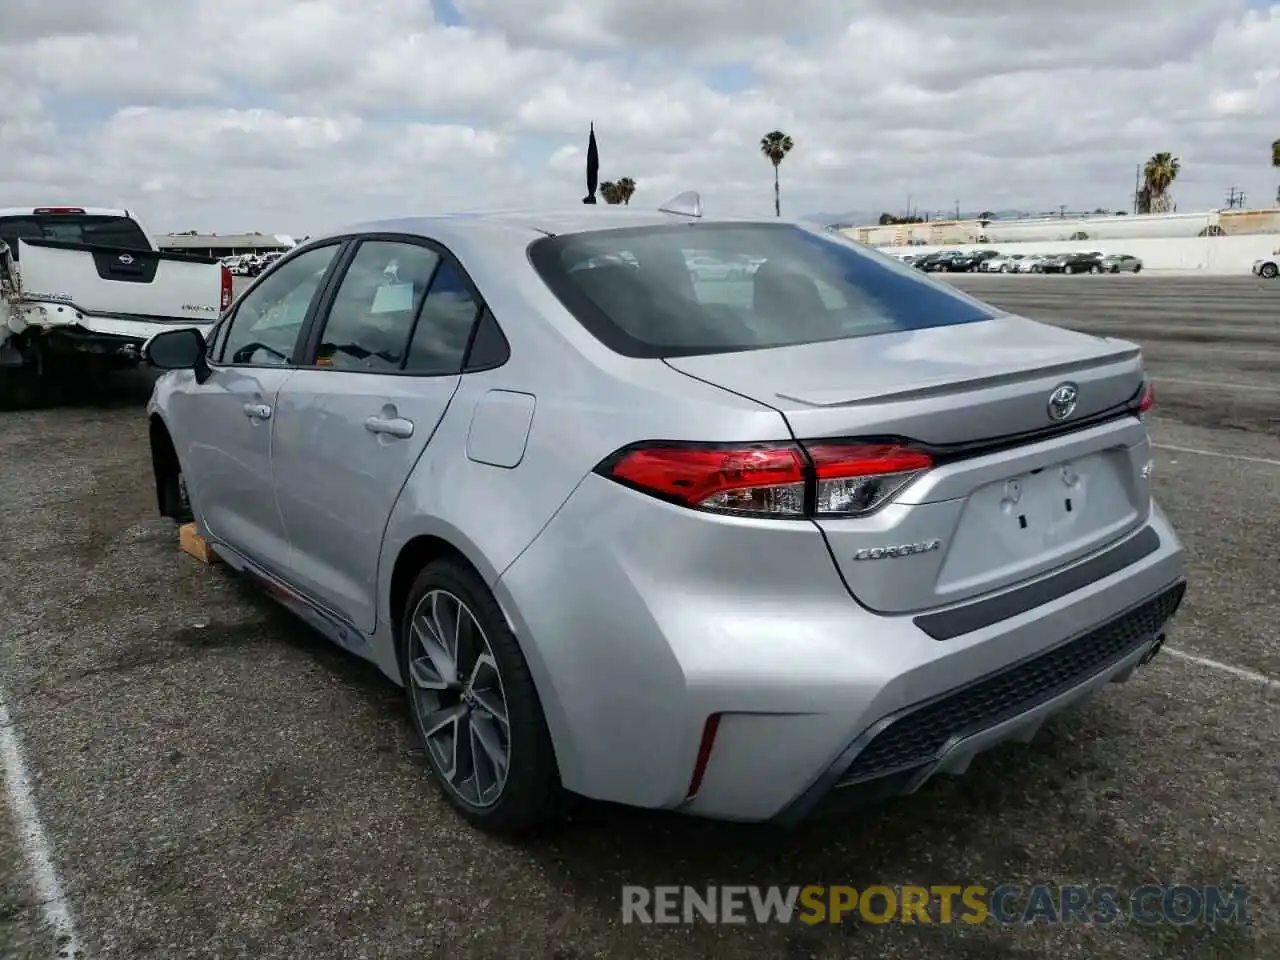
(587, 402)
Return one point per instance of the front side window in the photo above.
(372, 316)
(264, 331)
(688, 289)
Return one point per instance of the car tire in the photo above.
(1115, 269)
(1095, 269)
(528, 795)
(1269, 271)
(1004, 268)
(1137, 267)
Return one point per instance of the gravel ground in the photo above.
(216, 781)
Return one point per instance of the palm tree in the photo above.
(776, 145)
(611, 192)
(627, 188)
(1158, 176)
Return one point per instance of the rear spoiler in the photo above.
(103, 248)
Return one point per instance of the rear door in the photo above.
(382, 364)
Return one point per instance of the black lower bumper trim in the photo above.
(891, 755)
(956, 622)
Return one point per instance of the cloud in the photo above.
(296, 115)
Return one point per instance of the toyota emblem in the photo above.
(1062, 402)
(125, 259)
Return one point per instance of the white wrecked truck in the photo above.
(82, 289)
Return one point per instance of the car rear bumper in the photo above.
(641, 621)
(900, 753)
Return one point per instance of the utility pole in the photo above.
(1137, 185)
(1235, 199)
(957, 209)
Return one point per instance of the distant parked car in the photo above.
(1090, 262)
(1032, 263)
(1268, 267)
(940, 262)
(1121, 263)
(971, 261)
(1003, 263)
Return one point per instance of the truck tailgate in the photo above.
(122, 284)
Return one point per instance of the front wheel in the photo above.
(1095, 269)
(1137, 267)
(474, 705)
(1270, 271)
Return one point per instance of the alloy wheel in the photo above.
(458, 699)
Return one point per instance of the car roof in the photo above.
(533, 223)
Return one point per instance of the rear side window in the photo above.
(686, 289)
(93, 229)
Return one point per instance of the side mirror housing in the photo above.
(176, 350)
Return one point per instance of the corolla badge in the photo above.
(897, 550)
(1062, 402)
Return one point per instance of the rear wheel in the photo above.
(474, 705)
(1137, 267)
(1269, 270)
(1095, 269)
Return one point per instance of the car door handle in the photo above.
(391, 426)
(257, 411)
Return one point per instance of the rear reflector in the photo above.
(57, 210)
(828, 478)
(705, 746)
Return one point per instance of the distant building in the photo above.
(224, 245)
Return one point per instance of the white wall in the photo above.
(1219, 255)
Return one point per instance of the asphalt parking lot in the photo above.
(213, 780)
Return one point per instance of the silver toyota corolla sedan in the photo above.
(754, 544)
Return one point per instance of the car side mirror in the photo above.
(177, 350)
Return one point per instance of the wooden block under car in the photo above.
(194, 544)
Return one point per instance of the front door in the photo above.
(229, 419)
(353, 422)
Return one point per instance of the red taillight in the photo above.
(759, 479)
(1148, 397)
(56, 210)
(857, 478)
(786, 481)
(228, 287)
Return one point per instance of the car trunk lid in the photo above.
(1013, 493)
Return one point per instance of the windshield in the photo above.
(93, 229)
(688, 289)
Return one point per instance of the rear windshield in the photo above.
(685, 289)
(95, 229)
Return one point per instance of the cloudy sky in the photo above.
(296, 115)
